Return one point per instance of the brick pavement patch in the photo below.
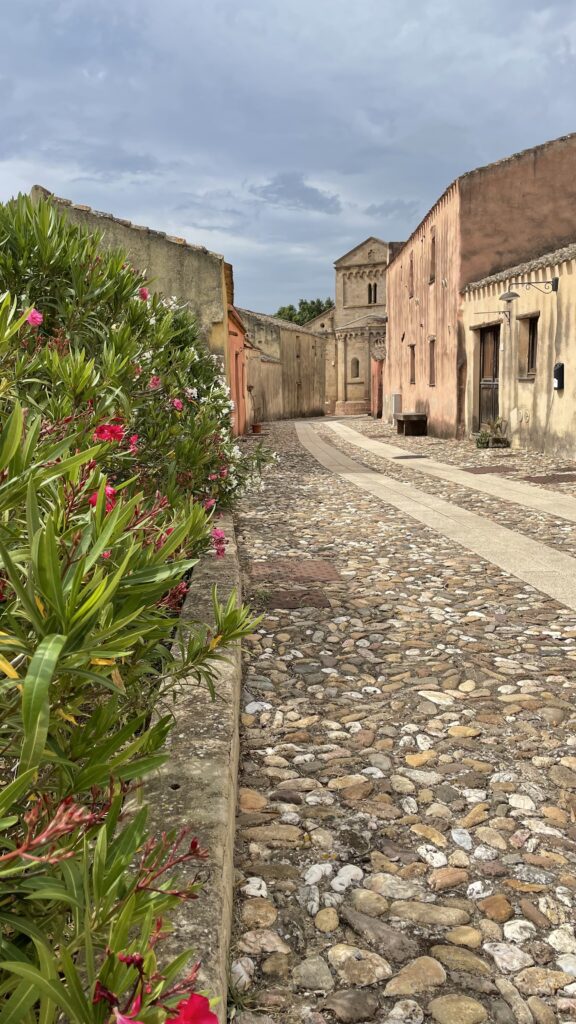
(479, 470)
(552, 478)
(312, 597)
(297, 570)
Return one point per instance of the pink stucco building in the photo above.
(486, 220)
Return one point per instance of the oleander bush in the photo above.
(116, 452)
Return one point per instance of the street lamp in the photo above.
(540, 286)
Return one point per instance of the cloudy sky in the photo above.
(277, 132)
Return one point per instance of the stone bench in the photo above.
(412, 424)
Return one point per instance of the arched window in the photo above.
(369, 294)
(355, 367)
(374, 287)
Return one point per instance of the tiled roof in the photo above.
(547, 259)
(276, 321)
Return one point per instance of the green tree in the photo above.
(307, 310)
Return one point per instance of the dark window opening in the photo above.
(412, 354)
(433, 255)
(355, 368)
(411, 276)
(432, 362)
(527, 345)
(532, 344)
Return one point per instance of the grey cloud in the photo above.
(289, 189)
(394, 208)
(278, 134)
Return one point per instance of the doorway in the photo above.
(489, 373)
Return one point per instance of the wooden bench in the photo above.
(412, 424)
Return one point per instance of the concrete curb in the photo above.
(197, 786)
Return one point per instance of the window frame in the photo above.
(432, 273)
(432, 362)
(412, 364)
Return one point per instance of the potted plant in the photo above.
(494, 435)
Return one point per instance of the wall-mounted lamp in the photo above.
(540, 286)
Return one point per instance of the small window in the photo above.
(432, 255)
(374, 290)
(355, 368)
(412, 355)
(532, 344)
(411, 276)
(432, 362)
(527, 345)
(369, 294)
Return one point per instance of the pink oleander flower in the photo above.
(154, 383)
(219, 542)
(133, 444)
(209, 503)
(110, 494)
(213, 476)
(137, 370)
(109, 432)
(194, 1010)
(224, 473)
(143, 294)
(124, 1018)
(34, 318)
(178, 404)
(106, 554)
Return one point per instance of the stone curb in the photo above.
(197, 786)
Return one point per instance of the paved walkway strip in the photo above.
(542, 567)
(561, 506)
(406, 842)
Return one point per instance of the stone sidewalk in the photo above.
(406, 839)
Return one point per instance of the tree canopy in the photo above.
(306, 311)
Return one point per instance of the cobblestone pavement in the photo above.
(406, 832)
(519, 462)
(551, 530)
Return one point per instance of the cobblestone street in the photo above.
(406, 846)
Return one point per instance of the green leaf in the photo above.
(11, 435)
(51, 987)
(36, 701)
(16, 789)
(21, 999)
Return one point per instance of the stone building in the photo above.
(356, 326)
(488, 219)
(285, 368)
(190, 273)
(514, 346)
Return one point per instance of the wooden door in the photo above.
(489, 371)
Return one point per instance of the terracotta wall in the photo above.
(420, 310)
(518, 208)
(237, 370)
(376, 385)
(537, 415)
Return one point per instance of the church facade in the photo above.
(355, 329)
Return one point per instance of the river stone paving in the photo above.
(406, 845)
(540, 526)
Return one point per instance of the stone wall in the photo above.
(189, 272)
(287, 373)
